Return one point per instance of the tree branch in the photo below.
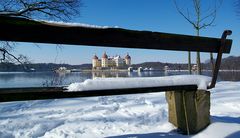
(214, 12)
(178, 9)
(208, 24)
(6, 52)
(57, 9)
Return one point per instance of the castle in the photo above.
(110, 62)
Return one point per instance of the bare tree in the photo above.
(199, 18)
(54, 9)
(35, 9)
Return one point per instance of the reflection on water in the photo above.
(107, 74)
(42, 79)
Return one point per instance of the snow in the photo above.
(61, 23)
(117, 83)
(213, 130)
(135, 116)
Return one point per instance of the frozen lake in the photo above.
(43, 79)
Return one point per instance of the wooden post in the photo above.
(189, 111)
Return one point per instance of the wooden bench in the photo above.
(25, 30)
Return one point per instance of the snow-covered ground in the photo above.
(142, 115)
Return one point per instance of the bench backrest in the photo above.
(24, 30)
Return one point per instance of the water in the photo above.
(47, 79)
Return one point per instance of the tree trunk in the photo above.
(199, 71)
(189, 63)
(212, 61)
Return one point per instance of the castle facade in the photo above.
(110, 62)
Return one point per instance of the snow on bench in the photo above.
(68, 24)
(120, 83)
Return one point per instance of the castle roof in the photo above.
(95, 57)
(104, 55)
(127, 56)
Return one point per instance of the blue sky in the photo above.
(152, 15)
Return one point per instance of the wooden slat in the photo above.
(21, 94)
(24, 30)
(30, 90)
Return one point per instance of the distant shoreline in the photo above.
(125, 70)
(121, 70)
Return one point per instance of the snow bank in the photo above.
(117, 83)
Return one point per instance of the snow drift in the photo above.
(117, 83)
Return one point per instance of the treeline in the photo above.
(160, 65)
(229, 63)
(8, 67)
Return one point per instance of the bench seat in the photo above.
(108, 87)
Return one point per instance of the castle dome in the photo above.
(127, 56)
(104, 55)
(95, 57)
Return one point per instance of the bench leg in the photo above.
(189, 111)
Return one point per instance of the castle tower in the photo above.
(104, 60)
(95, 61)
(128, 60)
